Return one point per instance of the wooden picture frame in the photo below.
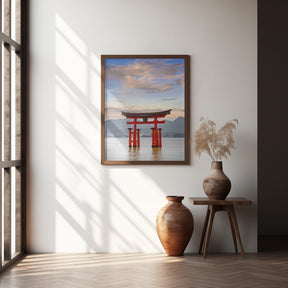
(145, 115)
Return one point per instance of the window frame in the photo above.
(7, 163)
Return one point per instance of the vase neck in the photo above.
(175, 198)
(216, 165)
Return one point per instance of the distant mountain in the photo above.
(119, 128)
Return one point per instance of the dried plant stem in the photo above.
(216, 144)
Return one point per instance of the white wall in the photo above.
(77, 205)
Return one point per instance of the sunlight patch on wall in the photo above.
(71, 54)
(76, 161)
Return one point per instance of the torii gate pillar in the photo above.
(134, 133)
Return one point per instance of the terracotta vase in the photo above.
(174, 226)
(217, 185)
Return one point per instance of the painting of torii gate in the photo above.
(134, 133)
(145, 109)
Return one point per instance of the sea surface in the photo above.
(117, 149)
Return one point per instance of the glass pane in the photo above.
(16, 20)
(18, 210)
(6, 117)
(12, 104)
(6, 17)
(15, 106)
(13, 210)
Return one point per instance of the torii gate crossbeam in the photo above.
(134, 136)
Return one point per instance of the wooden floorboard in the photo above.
(148, 270)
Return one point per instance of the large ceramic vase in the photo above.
(174, 226)
(217, 185)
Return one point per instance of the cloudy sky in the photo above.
(140, 85)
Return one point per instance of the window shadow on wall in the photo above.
(90, 206)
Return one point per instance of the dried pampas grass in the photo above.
(216, 144)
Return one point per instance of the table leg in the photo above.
(236, 229)
(232, 229)
(210, 223)
(204, 229)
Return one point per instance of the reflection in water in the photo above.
(134, 153)
(117, 149)
(156, 153)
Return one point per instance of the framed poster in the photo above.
(145, 109)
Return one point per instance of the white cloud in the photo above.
(146, 76)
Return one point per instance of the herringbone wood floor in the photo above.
(148, 270)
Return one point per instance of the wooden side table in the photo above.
(220, 205)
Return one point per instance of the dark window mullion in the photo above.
(24, 72)
(1, 49)
(8, 41)
(12, 163)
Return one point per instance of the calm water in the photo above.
(172, 150)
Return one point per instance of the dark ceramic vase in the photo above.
(216, 185)
(174, 226)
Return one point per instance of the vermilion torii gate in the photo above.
(134, 136)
